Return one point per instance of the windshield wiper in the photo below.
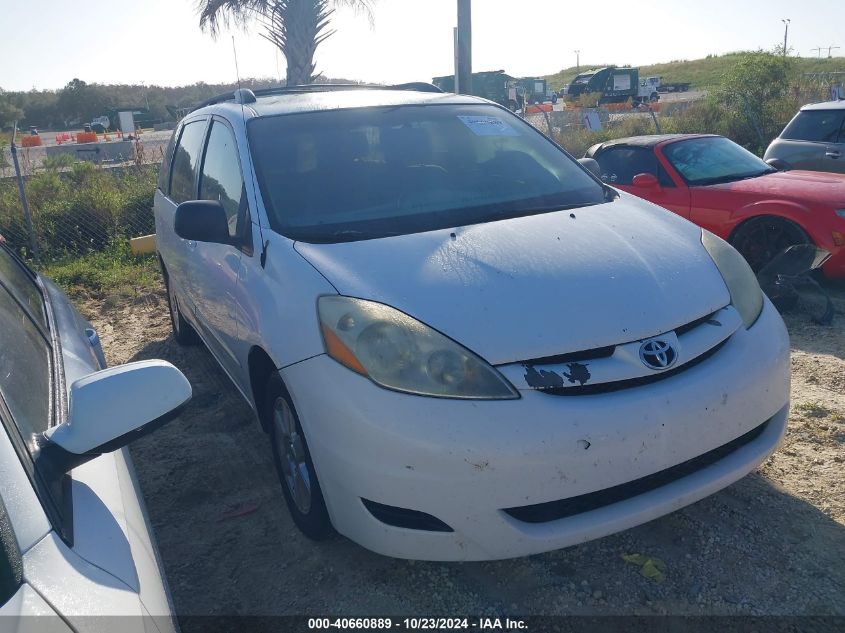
(732, 178)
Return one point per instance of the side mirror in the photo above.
(779, 164)
(108, 409)
(646, 181)
(202, 221)
(591, 165)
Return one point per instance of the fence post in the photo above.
(33, 241)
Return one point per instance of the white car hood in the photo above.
(541, 285)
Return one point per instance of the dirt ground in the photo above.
(772, 544)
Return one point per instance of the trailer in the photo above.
(674, 87)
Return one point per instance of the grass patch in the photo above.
(814, 409)
(114, 272)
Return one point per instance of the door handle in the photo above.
(832, 154)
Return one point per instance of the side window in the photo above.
(24, 369)
(619, 165)
(22, 285)
(842, 132)
(186, 162)
(167, 161)
(815, 125)
(11, 568)
(221, 177)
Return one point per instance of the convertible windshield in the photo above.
(354, 174)
(714, 159)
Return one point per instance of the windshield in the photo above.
(371, 172)
(714, 159)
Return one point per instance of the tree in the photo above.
(296, 27)
(80, 102)
(755, 92)
(9, 112)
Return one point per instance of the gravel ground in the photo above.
(771, 544)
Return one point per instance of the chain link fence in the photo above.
(77, 206)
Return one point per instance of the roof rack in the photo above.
(246, 96)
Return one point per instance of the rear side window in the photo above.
(167, 161)
(221, 176)
(186, 162)
(21, 283)
(822, 126)
(619, 165)
(24, 369)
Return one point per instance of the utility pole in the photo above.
(463, 77)
(785, 34)
(577, 61)
(33, 241)
(829, 49)
(819, 49)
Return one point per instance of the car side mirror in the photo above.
(779, 164)
(646, 181)
(110, 408)
(591, 165)
(202, 221)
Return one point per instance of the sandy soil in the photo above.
(771, 544)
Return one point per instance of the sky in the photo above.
(46, 43)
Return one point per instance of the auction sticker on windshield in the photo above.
(488, 126)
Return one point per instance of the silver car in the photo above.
(814, 140)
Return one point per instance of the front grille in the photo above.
(403, 518)
(564, 508)
(608, 387)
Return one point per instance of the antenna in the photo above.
(241, 97)
(237, 72)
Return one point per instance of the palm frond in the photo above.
(217, 14)
(361, 7)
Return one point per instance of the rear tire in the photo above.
(294, 467)
(760, 239)
(183, 332)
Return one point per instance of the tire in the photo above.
(294, 467)
(760, 239)
(183, 332)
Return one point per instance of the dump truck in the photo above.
(495, 85)
(536, 90)
(615, 85)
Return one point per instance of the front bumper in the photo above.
(464, 462)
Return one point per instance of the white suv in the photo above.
(461, 343)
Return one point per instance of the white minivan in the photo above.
(462, 344)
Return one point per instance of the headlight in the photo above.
(746, 295)
(398, 352)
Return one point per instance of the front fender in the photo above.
(788, 210)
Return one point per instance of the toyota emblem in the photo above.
(658, 354)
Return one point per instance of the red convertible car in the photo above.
(726, 189)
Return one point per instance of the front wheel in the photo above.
(294, 467)
(761, 239)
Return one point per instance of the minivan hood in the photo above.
(541, 285)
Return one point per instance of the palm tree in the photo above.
(297, 27)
